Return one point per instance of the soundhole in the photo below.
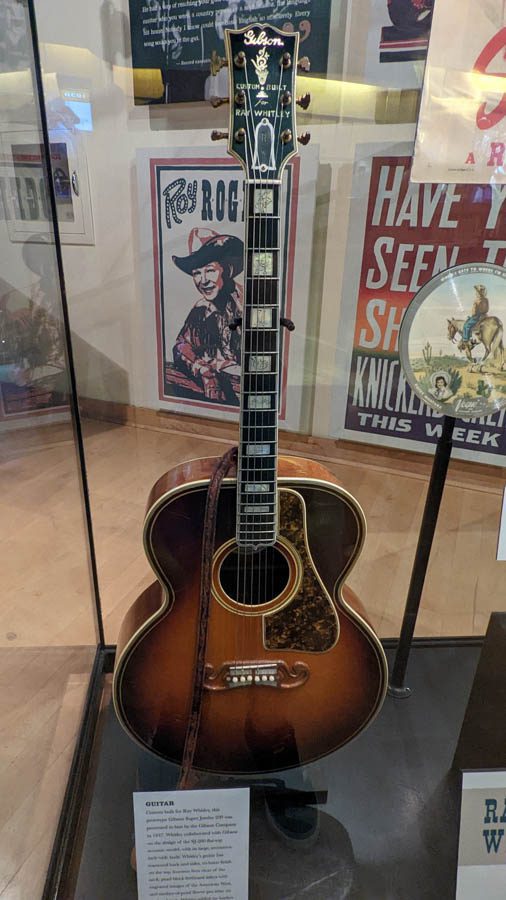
(254, 577)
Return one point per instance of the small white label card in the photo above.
(482, 846)
(501, 542)
(192, 845)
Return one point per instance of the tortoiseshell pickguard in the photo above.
(309, 621)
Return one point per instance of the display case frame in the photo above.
(69, 839)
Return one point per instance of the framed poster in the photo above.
(461, 126)
(387, 41)
(172, 43)
(401, 235)
(192, 234)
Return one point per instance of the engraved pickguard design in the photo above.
(309, 622)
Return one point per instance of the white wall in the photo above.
(103, 280)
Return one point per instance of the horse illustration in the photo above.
(488, 332)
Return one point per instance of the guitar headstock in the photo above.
(262, 64)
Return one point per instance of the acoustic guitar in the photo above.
(292, 669)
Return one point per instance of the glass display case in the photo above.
(223, 255)
(51, 625)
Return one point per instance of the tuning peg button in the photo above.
(304, 64)
(304, 101)
(219, 135)
(304, 138)
(217, 62)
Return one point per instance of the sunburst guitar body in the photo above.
(292, 668)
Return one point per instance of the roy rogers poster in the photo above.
(461, 133)
(192, 235)
(402, 234)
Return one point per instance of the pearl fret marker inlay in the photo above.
(261, 317)
(259, 401)
(263, 201)
(262, 264)
(259, 364)
(258, 449)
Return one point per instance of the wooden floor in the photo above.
(41, 698)
(47, 635)
(47, 645)
(46, 587)
(464, 582)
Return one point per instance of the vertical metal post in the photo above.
(442, 455)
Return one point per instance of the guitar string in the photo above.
(276, 285)
(268, 553)
(254, 340)
(245, 436)
(256, 375)
(253, 374)
(250, 468)
(267, 274)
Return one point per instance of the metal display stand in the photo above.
(397, 688)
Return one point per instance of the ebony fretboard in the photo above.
(257, 466)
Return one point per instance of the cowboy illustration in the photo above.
(479, 310)
(207, 350)
(440, 386)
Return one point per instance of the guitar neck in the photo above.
(258, 445)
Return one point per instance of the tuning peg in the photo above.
(217, 62)
(218, 101)
(304, 101)
(304, 64)
(219, 135)
(304, 138)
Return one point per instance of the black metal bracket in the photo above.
(397, 688)
(56, 886)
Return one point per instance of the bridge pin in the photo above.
(264, 677)
(250, 677)
(235, 679)
(272, 678)
(242, 678)
(257, 678)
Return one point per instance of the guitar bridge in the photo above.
(255, 674)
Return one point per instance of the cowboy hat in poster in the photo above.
(462, 124)
(192, 234)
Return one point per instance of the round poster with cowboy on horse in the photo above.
(451, 343)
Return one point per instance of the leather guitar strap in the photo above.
(208, 537)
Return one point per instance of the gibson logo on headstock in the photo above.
(261, 40)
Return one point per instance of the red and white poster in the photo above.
(193, 247)
(401, 234)
(462, 126)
